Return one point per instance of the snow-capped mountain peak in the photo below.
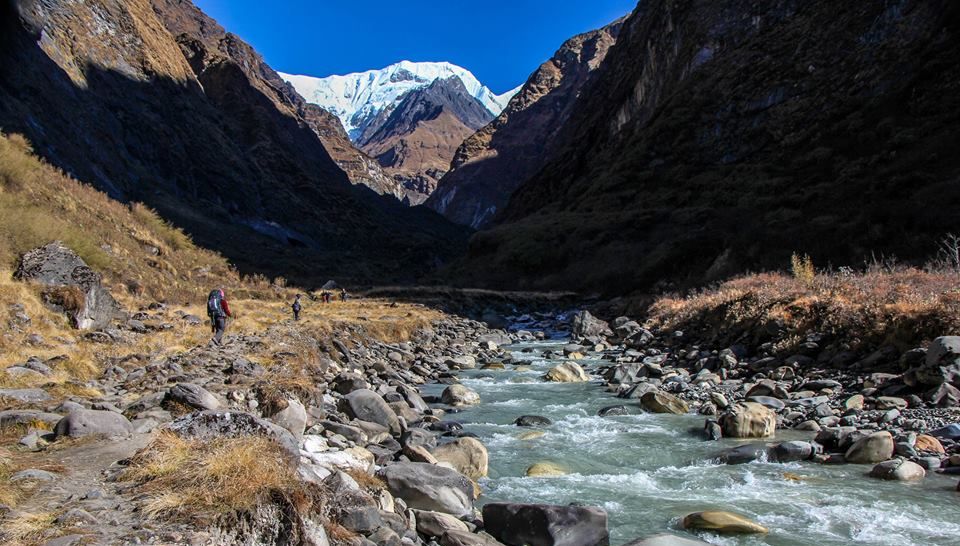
(358, 98)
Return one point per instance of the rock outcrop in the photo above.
(495, 161)
(75, 289)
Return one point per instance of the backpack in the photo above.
(296, 306)
(214, 305)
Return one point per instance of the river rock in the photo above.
(855, 402)
(874, 448)
(890, 402)
(949, 432)
(545, 468)
(531, 435)
(83, 422)
(722, 522)
(467, 456)
(613, 410)
(663, 402)
(27, 396)
(430, 487)
(942, 364)
(786, 452)
(56, 265)
(546, 525)
(532, 421)
(744, 454)
(667, 539)
(193, 396)
(455, 537)
(900, 470)
(583, 324)
(568, 372)
(748, 420)
(458, 395)
(926, 442)
(366, 405)
(773, 403)
(435, 524)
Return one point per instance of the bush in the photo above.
(802, 268)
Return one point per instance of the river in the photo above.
(649, 470)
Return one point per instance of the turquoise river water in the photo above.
(649, 470)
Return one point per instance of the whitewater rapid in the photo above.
(649, 470)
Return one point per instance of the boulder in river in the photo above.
(900, 470)
(545, 524)
(748, 420)
(545, 468)
(430, 487)
(75, 287)
(568, 372)
(871, 449)
(663, 402)
(722, 522)
(466, 455)
(458, 395)
(613, 410)
(532, 421)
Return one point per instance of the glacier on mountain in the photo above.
(356, 99)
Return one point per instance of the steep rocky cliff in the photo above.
(416, 140)
(722, 136)
(154, 102)
(496, 160)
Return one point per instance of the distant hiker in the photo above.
(218, 310)
(343, 294)
(296, 307)
(325, 296)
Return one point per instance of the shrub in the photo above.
(802, 268)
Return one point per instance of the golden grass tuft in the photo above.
(365, 480)
(26, 527)
(200, 480)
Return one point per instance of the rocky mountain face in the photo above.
(153, 101)
(496, 160)
(416, 140)
(718, 137)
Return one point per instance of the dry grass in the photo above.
(367, 481)
(26, 527)
(903, 307)
(201, 480)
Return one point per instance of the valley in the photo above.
(695, 281)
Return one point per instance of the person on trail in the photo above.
(343, 294)
(325, 296)
(296, 307)
(218, 310)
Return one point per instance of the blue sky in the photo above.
(500, 41)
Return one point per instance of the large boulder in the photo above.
(83, 422)
(663, 402)
(546, 524)
(748, 420)
(194, 396)
(425, 486)
(942, 364)
(583, 324)
(458, 395)
(466, 455)
(76, 289)
(722, 522)
(366, 405)
(871, 449)
(211, 425)
(568, 372)
(900, 470)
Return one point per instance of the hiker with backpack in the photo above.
(296, 307)
(218, 310)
